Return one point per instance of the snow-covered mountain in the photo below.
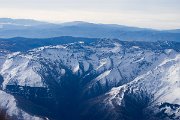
(102, 79)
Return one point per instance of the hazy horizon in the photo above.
(156, 14)
(64, 22)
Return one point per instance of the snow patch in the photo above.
(103, 75)
(102, 63)
(76, 68)
(117, 48)
(81, 42)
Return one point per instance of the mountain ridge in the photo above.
(37, 29)
(90, 79)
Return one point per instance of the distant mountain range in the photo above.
(36, 29)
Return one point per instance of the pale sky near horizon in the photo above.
(160, 14)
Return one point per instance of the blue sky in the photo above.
(161, 14)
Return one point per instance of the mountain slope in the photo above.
(8, 103)
(151, 96)
(102, 79)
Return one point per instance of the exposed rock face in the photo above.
(3, 115)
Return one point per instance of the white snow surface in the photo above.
(8, 103)
(156, 72)
(103, 75)
(20, 70)
(163, 82)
